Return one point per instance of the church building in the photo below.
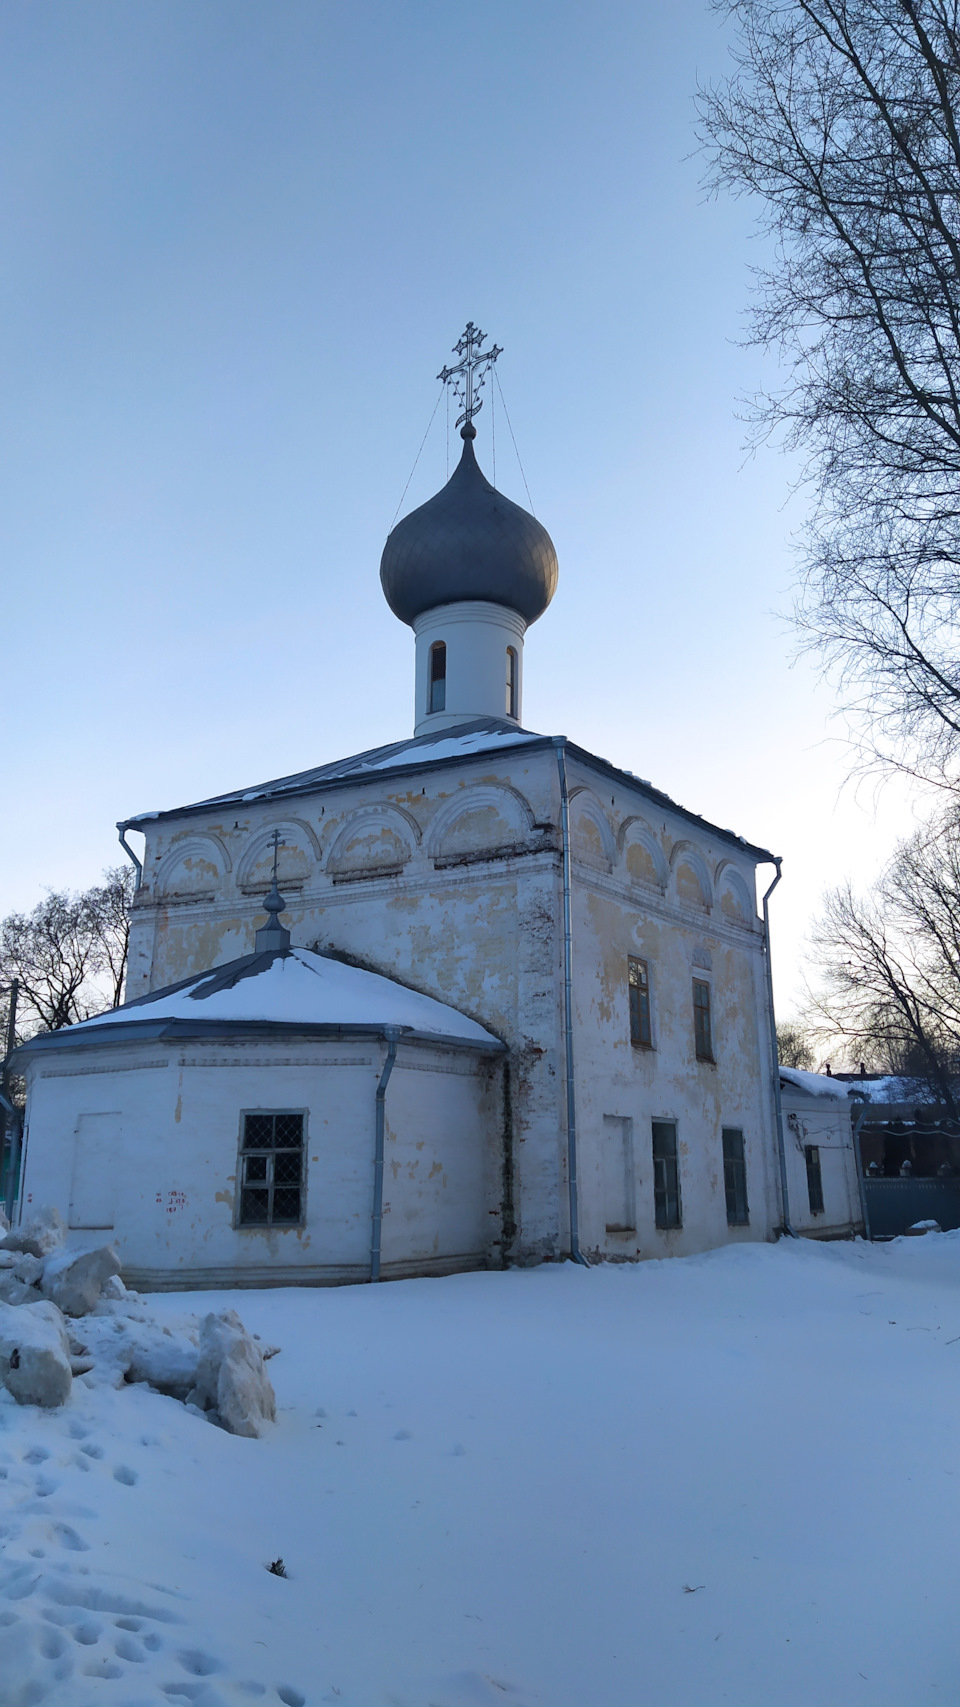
(504, 1001)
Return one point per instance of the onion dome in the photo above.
(468, 542)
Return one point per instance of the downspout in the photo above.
(775, 1056)
(857, 1115)
(575, 1251)
(16, 1150)
(377, 1221)
(123, 826)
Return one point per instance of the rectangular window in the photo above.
(437, 695)
(638, 983)
(735, 1177)
(666, 1174)
(814, 1178)
(271, 1169)
(511, 681)
(702, 1028)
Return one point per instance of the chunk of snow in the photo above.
(231, 1378)
(73, 1280)
(41, 1234)
(35, 1354)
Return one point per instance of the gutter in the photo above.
(391, 1035)
(123, 826)
(575, 1251)
(775, 1055)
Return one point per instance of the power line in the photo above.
(417, 458)
(512, 435)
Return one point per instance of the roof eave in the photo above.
(536, 744)
(174, 1030)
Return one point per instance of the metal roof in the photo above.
(468, 741)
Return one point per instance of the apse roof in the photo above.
(282, 990)
(444, 746)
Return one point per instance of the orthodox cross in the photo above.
(471, 370)
(277, 843)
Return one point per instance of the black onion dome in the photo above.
(468, 542)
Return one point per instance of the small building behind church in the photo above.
(519, 1007)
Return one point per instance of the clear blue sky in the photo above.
(238, 242)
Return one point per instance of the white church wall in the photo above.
(165, 1192)
(477, 636)
(465, 904)
(465, 915)
(648, 887)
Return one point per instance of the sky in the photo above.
(239, 241)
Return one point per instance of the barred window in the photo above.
(666, 1174)
(638, 984)
(271, 1169)
(735, 1177)
(702, 1028)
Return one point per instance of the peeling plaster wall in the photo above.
(826, 1123)
(665, 908)
(451, 881)
(168, 1199)
(466, 912)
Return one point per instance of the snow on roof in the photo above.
(292, 987)
(817, 1084)
(480, 737)
(485, 735)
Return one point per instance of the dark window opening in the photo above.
(702, 1028)
(735, 1177)
(811, 1154)
(437, 692)
(512, 683)
(666, 1174)
(638, 985)
(271, 1170)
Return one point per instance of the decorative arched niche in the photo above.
(479, 823)
(642, 856)
(591, 838)
(736, 902)
(375, 841)
(193, 869)
(691, 879)
(296, 860)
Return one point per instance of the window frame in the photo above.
(641, 1009)
(513, 682)
(437, 679)
(661, 1185)
(735, 1178)
(699, 1027)
(270, 1226)
(814, 1169)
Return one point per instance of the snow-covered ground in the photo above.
(731, 1478)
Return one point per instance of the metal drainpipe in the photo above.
(16, 1151)
(775, 1056)
(123, 826)
(575, 1250)
(857, 1115)
(391, 1036)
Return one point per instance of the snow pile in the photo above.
(723, 1478)
(214, 1365)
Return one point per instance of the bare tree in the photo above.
(68, 954)
(793, 1045)
(890, 964)
(843, 118)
